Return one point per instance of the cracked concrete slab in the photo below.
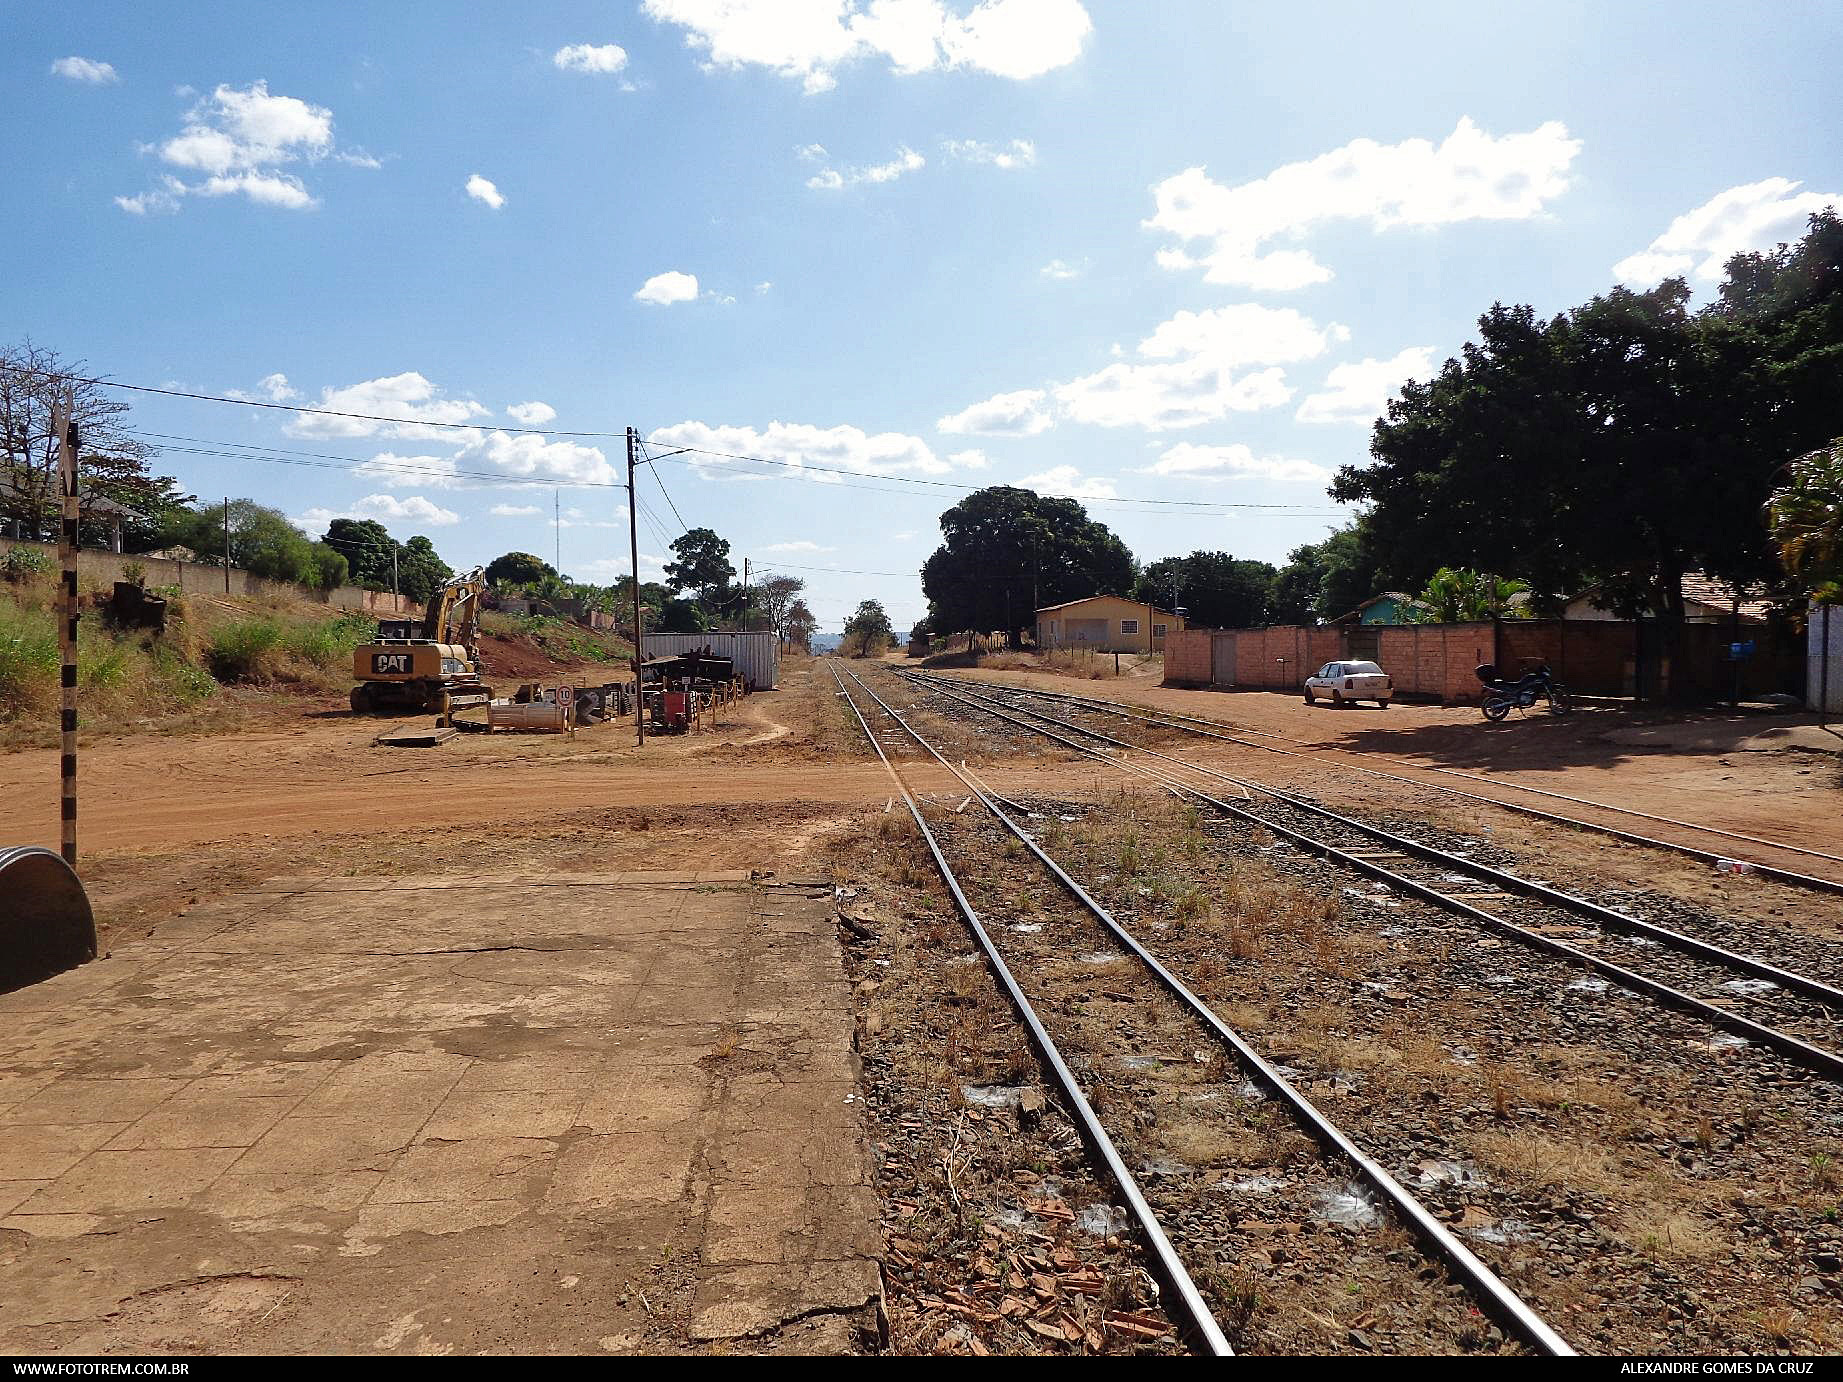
(588, 1113)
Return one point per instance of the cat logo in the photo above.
(385, 664)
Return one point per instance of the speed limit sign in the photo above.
(565, 695)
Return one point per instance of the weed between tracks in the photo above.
(981, 1172)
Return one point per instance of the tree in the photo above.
(112, 464)
(1805, 518)
(518, 568)
(262, 542)
(1009, 551)
(1216, 590)
(1324, 580)
(420, 571)
(868, 631)
(801, 626)
(1458, 595)
(367, 547)
(702, 567)
(777, 595)
(1622, 444)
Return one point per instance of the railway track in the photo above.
(1183, 1199)
(1739, 994)
(1227, 733)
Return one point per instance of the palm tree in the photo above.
(1805, 517)
(1459, 595)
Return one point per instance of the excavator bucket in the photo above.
(46, 925)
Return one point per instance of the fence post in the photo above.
(65, 428)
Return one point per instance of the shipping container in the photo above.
(757, 655)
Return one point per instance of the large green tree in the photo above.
(1215, 589)
(867, 631)
(1009, 551)
(518, 568)
(1805, 518)
(702, 567)
(1620, 444)
(1324, 580)
(262, 541)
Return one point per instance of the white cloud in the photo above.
(277, 389)
(1754, 216)
(242, 141)
(515, 511)
(1189, 375)
(831, 179)
(387, 508)
(1065, 481)
(812, 153)
(1232, 462)
(540, 458)
(1469, 176)
(433, 472)
(532, 414)
(406, 396)
(85, 70)
(1016, 414)
(481, 190)
(801, 546)
(970, 460)
(801, 444)
(762, 288)
(1360, 391)
(810, 40)
(1019, 153)
(606, 58)
(662, 290)
(1062, 270)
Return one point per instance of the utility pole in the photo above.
(64, 427)
(742, 615)
(633, 548)
(227, 544)
(396, 600)
(556, 515)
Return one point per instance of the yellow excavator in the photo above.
(431, 665)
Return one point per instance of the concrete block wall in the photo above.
(1824, 666)
(100, 570)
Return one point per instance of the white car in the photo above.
(1344, 682)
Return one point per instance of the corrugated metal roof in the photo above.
(1124, 599)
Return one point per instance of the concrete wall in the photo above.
(1821, 682)
(100, 570)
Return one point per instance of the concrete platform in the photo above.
(571, 1114)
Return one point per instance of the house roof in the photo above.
(1050, 609)
(1402, 600)
(1700, 589)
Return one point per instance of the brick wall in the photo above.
(1187, 657)
(1435, 661)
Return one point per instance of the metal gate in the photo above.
(1222, 660)
(1363, 643)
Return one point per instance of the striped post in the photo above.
(66, 429)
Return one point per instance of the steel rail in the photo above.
(1175, 720)
(1512, 883)
(1190, 1300)
(1816, 1058)
(1505, 1304)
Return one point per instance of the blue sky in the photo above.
(1135, 252)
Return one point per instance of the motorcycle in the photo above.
(1503, 695)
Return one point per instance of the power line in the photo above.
(1203, 507)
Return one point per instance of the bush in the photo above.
(245, 650)
(23, 563)
(28, 658)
